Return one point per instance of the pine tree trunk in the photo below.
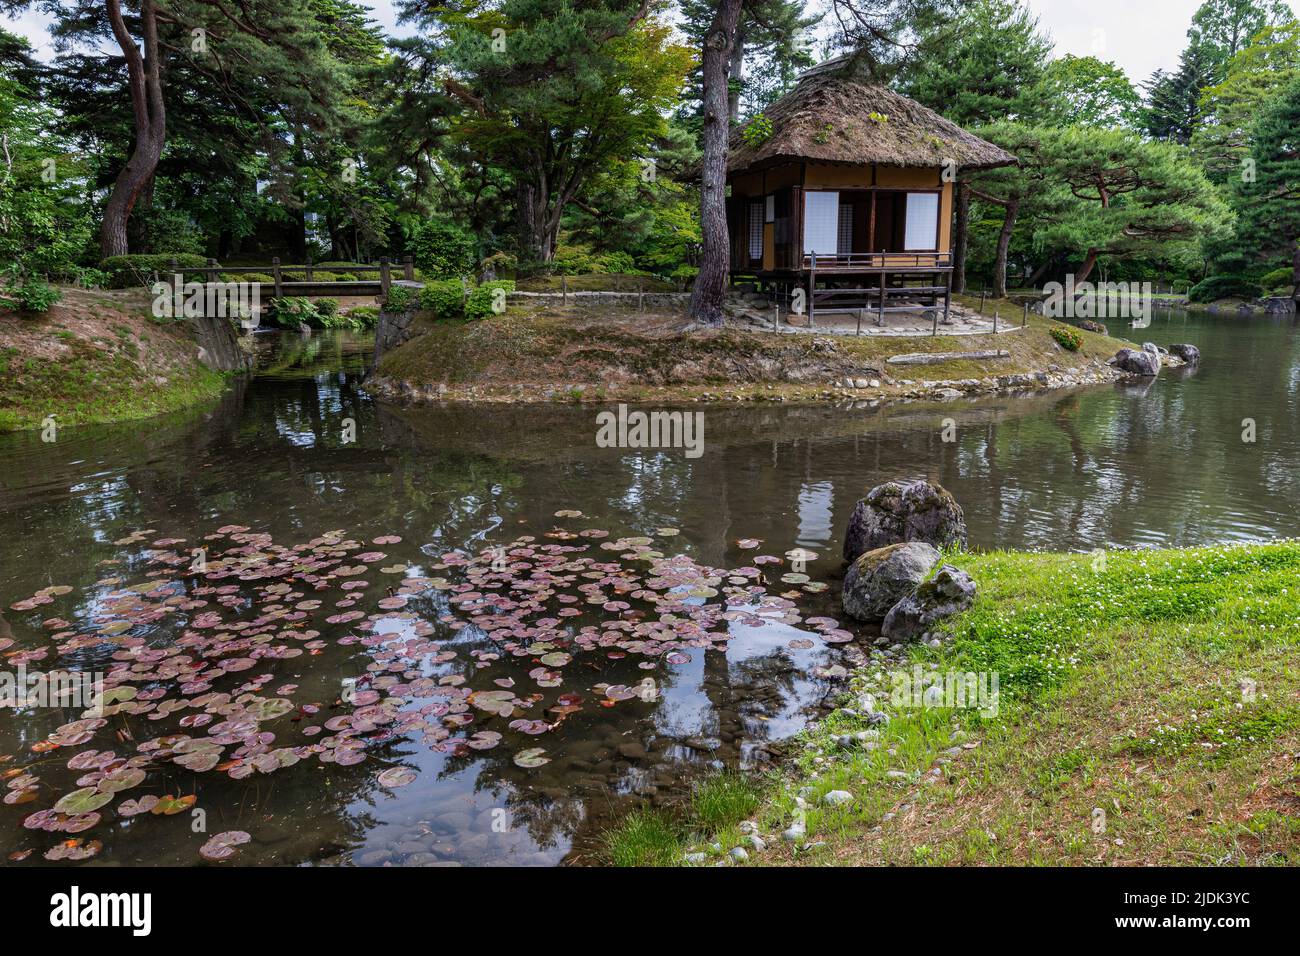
(1004, 244)
(150, 116)
(1085, 270)
(961, 239)
(736, 75)
(715, 262)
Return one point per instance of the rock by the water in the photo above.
(1091, 326)
(879, 579)
(950, 592)
(898, 511)
(1137, 363)
(1187, 352)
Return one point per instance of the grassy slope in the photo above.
(96, 358)
(1120, 690)
(650, 356)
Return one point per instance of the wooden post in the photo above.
(776, 317)
(996, 313)
(640, 295)
(212, 276)
(307, 269)
(812, 285)
(564, 290)
(275, 275)
(860, 311)
(947, 304)
(880, 306)
(1024, 319)
(408, 268)
(174, 279)
(385, 278)
(982, 294)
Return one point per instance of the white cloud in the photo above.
(1141, 36)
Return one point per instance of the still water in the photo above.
(300, 452)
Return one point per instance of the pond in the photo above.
(470, 635)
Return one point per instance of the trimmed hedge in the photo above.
(123, 272)
(479, 305)
(445, 298)
(1224, 287)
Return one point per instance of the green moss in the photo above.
(93, 385)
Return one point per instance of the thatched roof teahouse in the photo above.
(853, 189)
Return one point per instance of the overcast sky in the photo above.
(1140, 35)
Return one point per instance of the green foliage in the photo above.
(992, 62)
(488, 299)
(445, 298)
(124, 272)
(327, 307)
(443, 250)
(1224, 287)
(400, 298)
(45, 217)
(1269, 207)
(365, 316)
(1090, 92)
(1277, 279)
(250, 277)
(757, 131)
(1067, 338)
(32, 294)
(292, 311)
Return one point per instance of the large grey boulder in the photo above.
(904, 511)
(1137, 363)
(1188, 353)
(951, 592)
(879, 579)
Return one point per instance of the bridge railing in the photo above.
(385, 267)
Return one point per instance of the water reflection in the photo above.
(1159, 464)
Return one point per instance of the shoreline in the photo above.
(1108, 742)
(570, 356)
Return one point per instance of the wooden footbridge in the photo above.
(285, 279)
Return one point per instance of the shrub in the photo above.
(445, 298)
(364, 316)
(123, 272)
(327, 307)
(250, 277)
(32, 294)
(400, 298)
(1068, 338)
(443, 250)
(1277, 279)
(88, 277)
(293, 310)
(501, 262)
(1223, 287)
(484, 300)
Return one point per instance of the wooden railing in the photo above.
(385, 267)
(864, 261)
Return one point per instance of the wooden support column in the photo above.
(408, 268)
(275, 276)
(880, 306)
(385, 275)
(812, 286)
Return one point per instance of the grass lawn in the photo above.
(1148, 713)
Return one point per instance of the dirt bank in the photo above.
(588, 352)
(98, 357)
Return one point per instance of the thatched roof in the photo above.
(830, 117)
